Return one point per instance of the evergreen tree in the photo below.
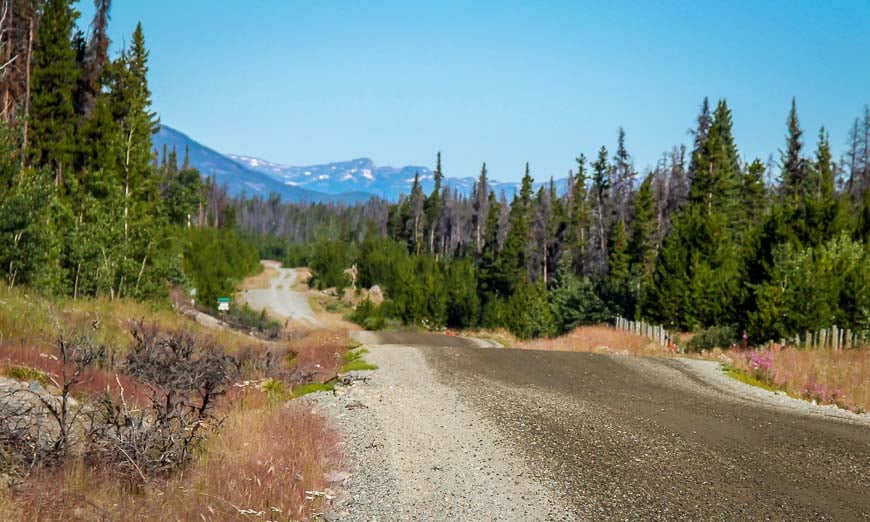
(616, 285)
(600, 204)
(716, 183)
(54, 81)
(416, 223)
(701, 133)
(623, 179)
(433, 205)
(753, 195)
(578, 219)
(643, 231)
(794, 182)
(480, 199)
(514, 257)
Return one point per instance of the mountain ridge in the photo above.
(350, 181)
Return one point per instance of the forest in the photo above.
(705, 240)
(87, 207)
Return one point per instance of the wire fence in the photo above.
(654, 332)
(833, 338)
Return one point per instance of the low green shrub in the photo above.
(713, 337)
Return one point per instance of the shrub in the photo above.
(369, 315)
(246, 318)
(713, 337)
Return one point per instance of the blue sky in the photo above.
(503, 82)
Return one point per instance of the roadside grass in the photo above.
(748, 378)
(28, 319)
(597, 339)
(262, 279)
(258, 466)
(823, 375)
(264, 455)
(353, 361)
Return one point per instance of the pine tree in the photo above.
(753, 195)
(716, 182)
(54, 80)
(643, 230)
(794, 182)
(514, 257)
(578, 219)
(480, 199)
(823, 215)
(433, 205)
(701, 133)
(623, 179)
(618, 270)
(416, 223)
(600, 203)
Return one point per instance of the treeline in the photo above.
(702, 240)
(87, 208)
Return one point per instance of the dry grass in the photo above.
(303, 275)
(261, 281)
(259, 467)
(94, 382)
(598, 339)
(28, 319)
(319, 354)
(825, 376)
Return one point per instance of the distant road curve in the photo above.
(280, 300)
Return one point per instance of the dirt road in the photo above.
(280, 300)
(612, 436)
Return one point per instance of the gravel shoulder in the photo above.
(419, 453)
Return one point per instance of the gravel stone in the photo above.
(419, 453)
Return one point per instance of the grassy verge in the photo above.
(261, 458)
(353, 361)
(749, 379)
(823, 376)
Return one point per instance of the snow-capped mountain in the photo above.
(238, 178)
(358, 175)
(345, 181)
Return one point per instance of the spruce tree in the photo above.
(433, 205)
(794, 184)
(53, 86)
(600, 204)
(514, 257)
(480, 199)
(716, 182)
(578, 219)
(643, 230)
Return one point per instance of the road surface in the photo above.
(280, 300)
(592, 436)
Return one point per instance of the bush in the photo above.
(713, 337)
(369, 315)
(245, 318)
(328, 262)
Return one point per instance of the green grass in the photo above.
(353, 361)
(20, 373)
(314, 387)
(743, 377)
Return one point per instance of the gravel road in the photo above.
(419, 453)
(281, 300)
(458, 432)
